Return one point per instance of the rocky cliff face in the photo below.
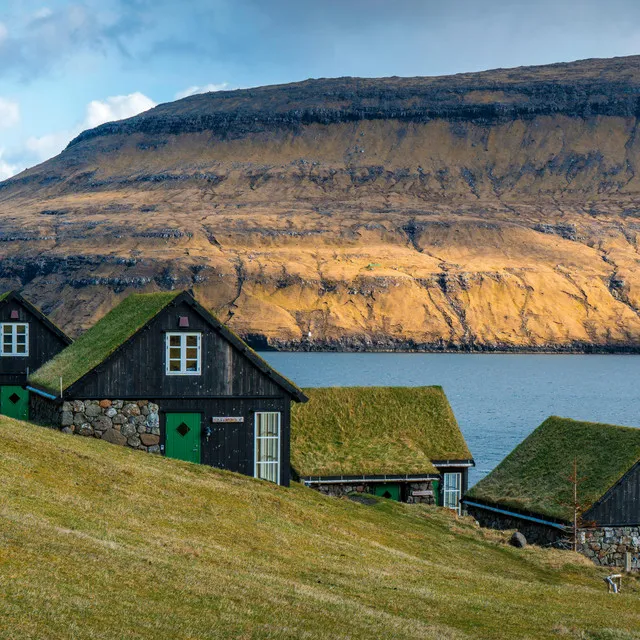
(497, 210)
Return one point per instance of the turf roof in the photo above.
(100, 341)
(4, 295)
(534, 476)
(346, 431)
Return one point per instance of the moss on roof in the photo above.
(374, 431)
(4, 295)
(534, 476)
(100, 341)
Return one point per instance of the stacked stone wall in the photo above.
(340, 489)
(535, 533)
(608, 546)
(605, 546)
(129, 423)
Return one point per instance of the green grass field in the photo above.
(97, 541)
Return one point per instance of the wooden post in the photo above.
(575, 504)
(627, 562)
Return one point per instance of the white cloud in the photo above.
(4, 32)
(36, 149)
(42, 14)
(9, 113)
(116, 108)
(49, 145)
(7, 169)
(193, 90)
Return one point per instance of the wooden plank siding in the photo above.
(137, 368)
(229, 385)
(231, 444)
(621, 504)
(43, 343)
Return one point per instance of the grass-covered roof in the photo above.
(4, 295)
(348, 431)
(534, 477)
(101, 340)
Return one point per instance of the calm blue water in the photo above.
(498, 399)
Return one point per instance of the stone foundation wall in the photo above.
(608, 546)
(534, 533)
(132, 423)
(339, 489)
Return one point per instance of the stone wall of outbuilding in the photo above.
(605, 546)
(535, 533)
(415, 492)
(608, 546)
(125, 422)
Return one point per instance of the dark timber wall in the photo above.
(231, 444)
(621, 504)
(44, 343)
(137, 370)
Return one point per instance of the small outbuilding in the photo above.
(566, 466)
(160, 373)
(402, 443)
(27, 340)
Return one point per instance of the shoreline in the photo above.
(261, 343)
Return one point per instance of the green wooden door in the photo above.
(14, 402)
(183, 436)
(389, 491)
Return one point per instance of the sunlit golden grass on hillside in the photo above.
(100, 542)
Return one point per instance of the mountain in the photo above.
(493, 210)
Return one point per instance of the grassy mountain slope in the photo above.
(101, 542)
(496, 210)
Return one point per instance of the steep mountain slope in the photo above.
(496, 210)
(99, 542)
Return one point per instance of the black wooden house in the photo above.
(569, 475)
(27, 340)
(162, 374)
(402, 443)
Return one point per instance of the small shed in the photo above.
(532, 489)
(160, 373)
(27, 340)
(402, 443)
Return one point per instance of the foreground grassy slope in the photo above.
(101, 542)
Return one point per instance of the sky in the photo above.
(68, 65)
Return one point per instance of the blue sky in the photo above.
(66, 65)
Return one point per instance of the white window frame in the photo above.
(13, 326)
(183, 353)
(257, 464)
(451, 496)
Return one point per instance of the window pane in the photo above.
(192, 341)
(174, 365)
(174, 353)
(174, 341)
(192, 353)
(21, 348)
(21, 329)
(192, 365)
